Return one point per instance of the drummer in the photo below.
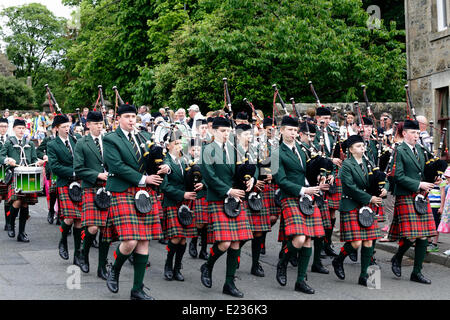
(3, 187)
(18, 151)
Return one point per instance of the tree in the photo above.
(15, 94)
(35, 38)
(257, 43)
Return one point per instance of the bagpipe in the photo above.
(434, 166)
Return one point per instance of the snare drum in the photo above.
(2, 173)
(28, 179)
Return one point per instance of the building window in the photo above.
(443, 115)
(442, 22)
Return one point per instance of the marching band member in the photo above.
(3, 187)
(60, 153)
(299, 228)
(407, 225)
(19, 151)
(355, 181)
(175, 195)
(218, 169)
(89, 166)
(324, 114)
(127, 176)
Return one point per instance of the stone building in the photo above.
(428, 58)
(6, 68)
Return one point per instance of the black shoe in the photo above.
(329, 251)
(281, 273)
(193, 249)
(257, 270)
(293, 260)
(12, 231)
(396, 266)
(163, 241)
(319, 268)
(419, 277)
(353, 256)
(206, 276)
(230, 289)
(363, 280)
(23, 237)
(50, 217)
(338, 266)
(102, 273)
(177, 275)
(77, 259)
(303, 287)
(140, 294)
(168, 272)
(63, 252)
(203, 255)
(83, 262)
(112, 282)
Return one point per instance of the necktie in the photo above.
(181, 167)
(97, 142)
(68, 147)
(225, 154)
(3, 140)
(361, 165)
(136, 152)
(294, 149)
(415, 153)
(327, 141)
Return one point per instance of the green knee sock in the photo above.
(103, 248)
(404, 245)
(256, 249)
(232, 262)
(303, 260)
(140, 262)
(120, 259)
(419, 255)
(87, 241)
(346, 249)
(77, 239)
(290, 250)
(65, 228)
(366, 255)
(171, 250)
(318, 244)
(215, 254)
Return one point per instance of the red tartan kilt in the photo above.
(281, 233)
(30, 198)
(91, 215)
(223, 228)
(172, 227)
(3, 191)
(326, 216)
(68, 209)
(380, 217)
(334, 198)
(259, 221)
(268, 196)
(200, 208)
(125, 223)
(296, 223)
(406, 223)
(351, 230)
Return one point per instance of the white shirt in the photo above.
(178, 162)
(100, 139)
(126, 133)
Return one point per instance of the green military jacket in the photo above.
(61, 160)
(355, 182)
(173, 183)
(290, 175)
(408, 170)
(11, 149)
(216, 171)
(123, 166)
(88, 161)
(41, 151)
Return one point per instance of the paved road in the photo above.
(35, 271)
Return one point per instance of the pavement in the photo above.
(34, 271)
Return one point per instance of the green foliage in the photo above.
(15, 94)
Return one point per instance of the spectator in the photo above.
(423, 124)
(144, 115)
(193, 110)
(444, 225)
(180, 116)
(385, 124)
(437, 201)
(349, 126)
(84, 116)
